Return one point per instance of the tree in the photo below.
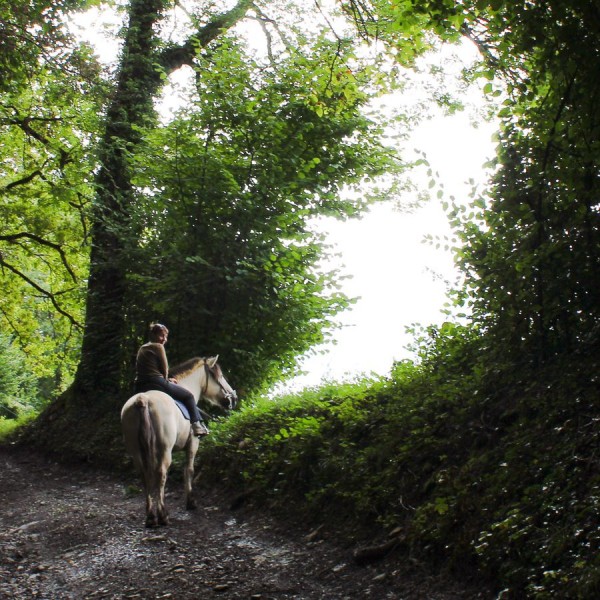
(544, 217)
(144, 63)
(99, 383)
(129, 115)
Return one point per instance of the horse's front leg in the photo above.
(188, 472)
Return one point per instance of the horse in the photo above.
(153, 427)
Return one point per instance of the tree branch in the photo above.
(24, 123)
(39, 240)
(174, 57)
(23, 181)
(49, 295)
(262, 20)
(364, 19)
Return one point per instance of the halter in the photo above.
(229, 394)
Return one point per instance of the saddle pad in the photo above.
(184, 411)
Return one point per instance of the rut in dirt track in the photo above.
(72, 533)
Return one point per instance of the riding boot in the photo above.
(199, 429)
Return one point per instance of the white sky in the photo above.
(400, 280)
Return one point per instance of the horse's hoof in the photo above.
(151, 523)
(191, 504)
(163, 522)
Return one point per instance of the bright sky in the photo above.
(400, 279)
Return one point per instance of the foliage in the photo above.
(484, 452)
(47, 118)
(18, 388)
(532, 263)
(227, 197)
(9, 427)
(33, 34)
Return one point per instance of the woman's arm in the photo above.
(163, 362)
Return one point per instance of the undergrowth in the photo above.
(493, 472)
(9, 426)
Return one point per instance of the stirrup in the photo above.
(199, 429)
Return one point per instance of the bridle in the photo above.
(229, 394)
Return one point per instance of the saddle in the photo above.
(184, 411)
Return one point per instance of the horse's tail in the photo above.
(146, 434)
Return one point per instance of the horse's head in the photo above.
(216, 387)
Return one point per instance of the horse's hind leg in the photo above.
(151, 514)
(188, 472)
(148, 485)
(151, 504)
(163, 515)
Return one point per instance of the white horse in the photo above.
(153, 426)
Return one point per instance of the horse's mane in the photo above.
(185, 368)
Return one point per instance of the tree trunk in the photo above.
(131, 107)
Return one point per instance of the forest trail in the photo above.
(73, 533)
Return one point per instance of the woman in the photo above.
(152, 373)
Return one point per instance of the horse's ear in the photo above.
(212, 361)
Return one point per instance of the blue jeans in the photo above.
(174, 390)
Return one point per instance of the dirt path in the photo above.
(73, 533)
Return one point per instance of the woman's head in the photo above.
(158, 333)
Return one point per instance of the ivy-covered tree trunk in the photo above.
(99, 373)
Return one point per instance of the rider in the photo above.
(152, 373)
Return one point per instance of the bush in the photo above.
(17, 386)
(487, 471)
